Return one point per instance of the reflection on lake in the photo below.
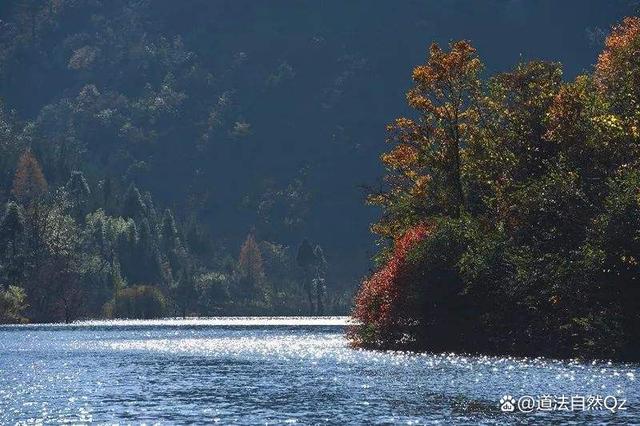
(276, 370)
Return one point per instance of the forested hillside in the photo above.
(209, 157)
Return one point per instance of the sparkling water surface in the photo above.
(275, 371)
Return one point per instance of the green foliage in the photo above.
(305, 258)
(78, 190)
(133, 205)
(313, 266)
(76, 261)
(12, 305)
(12, 224)
(213, 291)
(140, 302)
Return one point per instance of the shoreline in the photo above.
(234, 321)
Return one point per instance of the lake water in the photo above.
(286, 370)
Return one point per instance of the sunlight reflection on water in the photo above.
(277, 370)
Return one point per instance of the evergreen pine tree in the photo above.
(306, 260)
(79, 193)
(319, 281)
(12, 227)
(133, 206)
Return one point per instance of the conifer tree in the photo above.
(319, 281)
(133, 205)
(306, 260)
(12, 227)
(79, 193)
(170, 238)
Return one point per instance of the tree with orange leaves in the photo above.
(250, 265)
(617, 73)
(29, 182)
(424, 167)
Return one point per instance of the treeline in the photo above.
(215, 122)
(512, 210)
(112, 111)
(159, 94)
(74, 252)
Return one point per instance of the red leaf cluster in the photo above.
(622, 49)
(381, 301)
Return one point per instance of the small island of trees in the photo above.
(511, 210)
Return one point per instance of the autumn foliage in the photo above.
(250, 263)
(531, 190)
(29, 182)
(617, 69)
(381, 303)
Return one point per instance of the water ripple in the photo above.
(279, 371)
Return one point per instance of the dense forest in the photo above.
(211, 157)
(131, 182)
(75, 251)
(511, 210)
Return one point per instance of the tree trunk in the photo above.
(320, 307)
(311, 305)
